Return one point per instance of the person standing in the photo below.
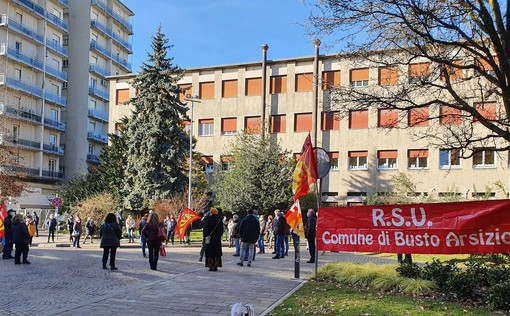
(77, 230)
(70, 226)
(250, 232)
(235, 235)
(170, 229)
(120, 218)
(280, 235)
(130, 228)
(21, 239)
(269, 231)
(52, 226)
(31, 229)
(151, 233)
(8, 235)
(213, 230)
(225, 227)
(90, 230)
(262, 233)
(143, 240)
(310, 233)
(110, 233)
(36, 222)
(203, 221)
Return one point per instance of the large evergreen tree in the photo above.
(157, 143)
(260, 176)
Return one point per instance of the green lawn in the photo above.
(321, 298)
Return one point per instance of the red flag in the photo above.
(305, 172)
(295, 219)
(3, 215)
(186, 217)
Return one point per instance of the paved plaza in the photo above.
(65, 281)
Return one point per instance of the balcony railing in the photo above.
(52, 174)
(17, 55)
(31, 6)
(58, 125)
(55, 98)
(124, 63)
(62, 75)
(56, 47)
(64, 3)
(115, 15)
(18, 27)
(19, 85)
(101, 27)
(26, 143)
(56, 21)
(53, 149)
(97, 137)
(23, 114)
(98, 115)
(101, 93)
(99, 70)
(98, 47)
(93, 159)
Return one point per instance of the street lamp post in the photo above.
(192, 99)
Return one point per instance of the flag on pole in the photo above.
(295, 219)
(305, 172)
(186, 217)
(3, 215)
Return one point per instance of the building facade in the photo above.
(54, 57)
(366, 149)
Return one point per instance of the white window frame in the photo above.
(359, 83)
(358, 163)
(418, 163)
(448, 156)
(387, 163)
(206, 129)
(333, 162)
(483, 163)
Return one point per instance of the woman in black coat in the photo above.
(213, 229)
(110, 233)
(21, 239)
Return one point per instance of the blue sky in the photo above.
(219, 32)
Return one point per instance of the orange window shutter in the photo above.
(253, 86)
(206, 160)
(252, 124)
(487, 110)
(419, 117)
(206, 121)
(388, 118)
(449, 115)
(334, 155)
(122, 96)
(330, 79)
(359, 74)
(387, 154)
(229, 89)
(278, 124)
(229, 124)
(303, 122)
(419, 70)
(304, 82)
(278, 84)
(388, 76)
(330, 120)
(358, 154)
(187, 90)
(418, 153)
(358, 119)
(206, 90)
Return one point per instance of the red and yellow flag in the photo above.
(186, 217)
(295, 219)
(3, 215)
(305, 172)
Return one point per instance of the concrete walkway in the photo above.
(65, 281)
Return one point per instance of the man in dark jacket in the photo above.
(8, 237)
(235, 234)
(143, 240)
(281, 233)
(250, 232)
(310, 233)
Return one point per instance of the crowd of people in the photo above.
(245, 235)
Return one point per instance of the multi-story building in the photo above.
(54, 58)
(365, 152)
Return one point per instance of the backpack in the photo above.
(240, 309)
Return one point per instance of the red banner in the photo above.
(186, 217)
(438, 228)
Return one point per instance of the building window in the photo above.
(453, 71)
(185, 89)
(483, 158)
(387, 118)
(278, 124)
(330, 79)
(253, 87)
(388, 76)
(225, 162)
(229, 126)
(417, 158)
(419, 72)
(358, 160)
(330, 120)
(333, 160)
(358, 119)
(206, 90)
(387, 159)
(487, 110)
(304, 82)
(485, 66)
(278, 84)
(359, 77)
(206, 127)
(449, 115)
(15, 132)
(229, 89)
(17, 74)
(418, 117)
(449, 158)
(122, 95)
(118, 128)
(302, 122)
(252, 124)
(207, 164)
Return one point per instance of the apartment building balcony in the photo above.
(53, 175)
(109, 11)
(20, 57)
(36, 173)
(98, 92)
(122, 62)
(56, 73)
(100, 49)
(31, 6)
(93, 113)
(55, 98)
(58, 22)
(98, 137)
(26, 143)
(64, 3)
(106, 31)
(53, 149)
(93, 159)
(54, 124)
(20, 85)
(20, 114)
(56, 47)
(21, 29)
(99, 70)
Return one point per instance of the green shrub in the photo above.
(462, 284)
(498, 275)
(410, 271)
(439, 272)
(498, 297)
